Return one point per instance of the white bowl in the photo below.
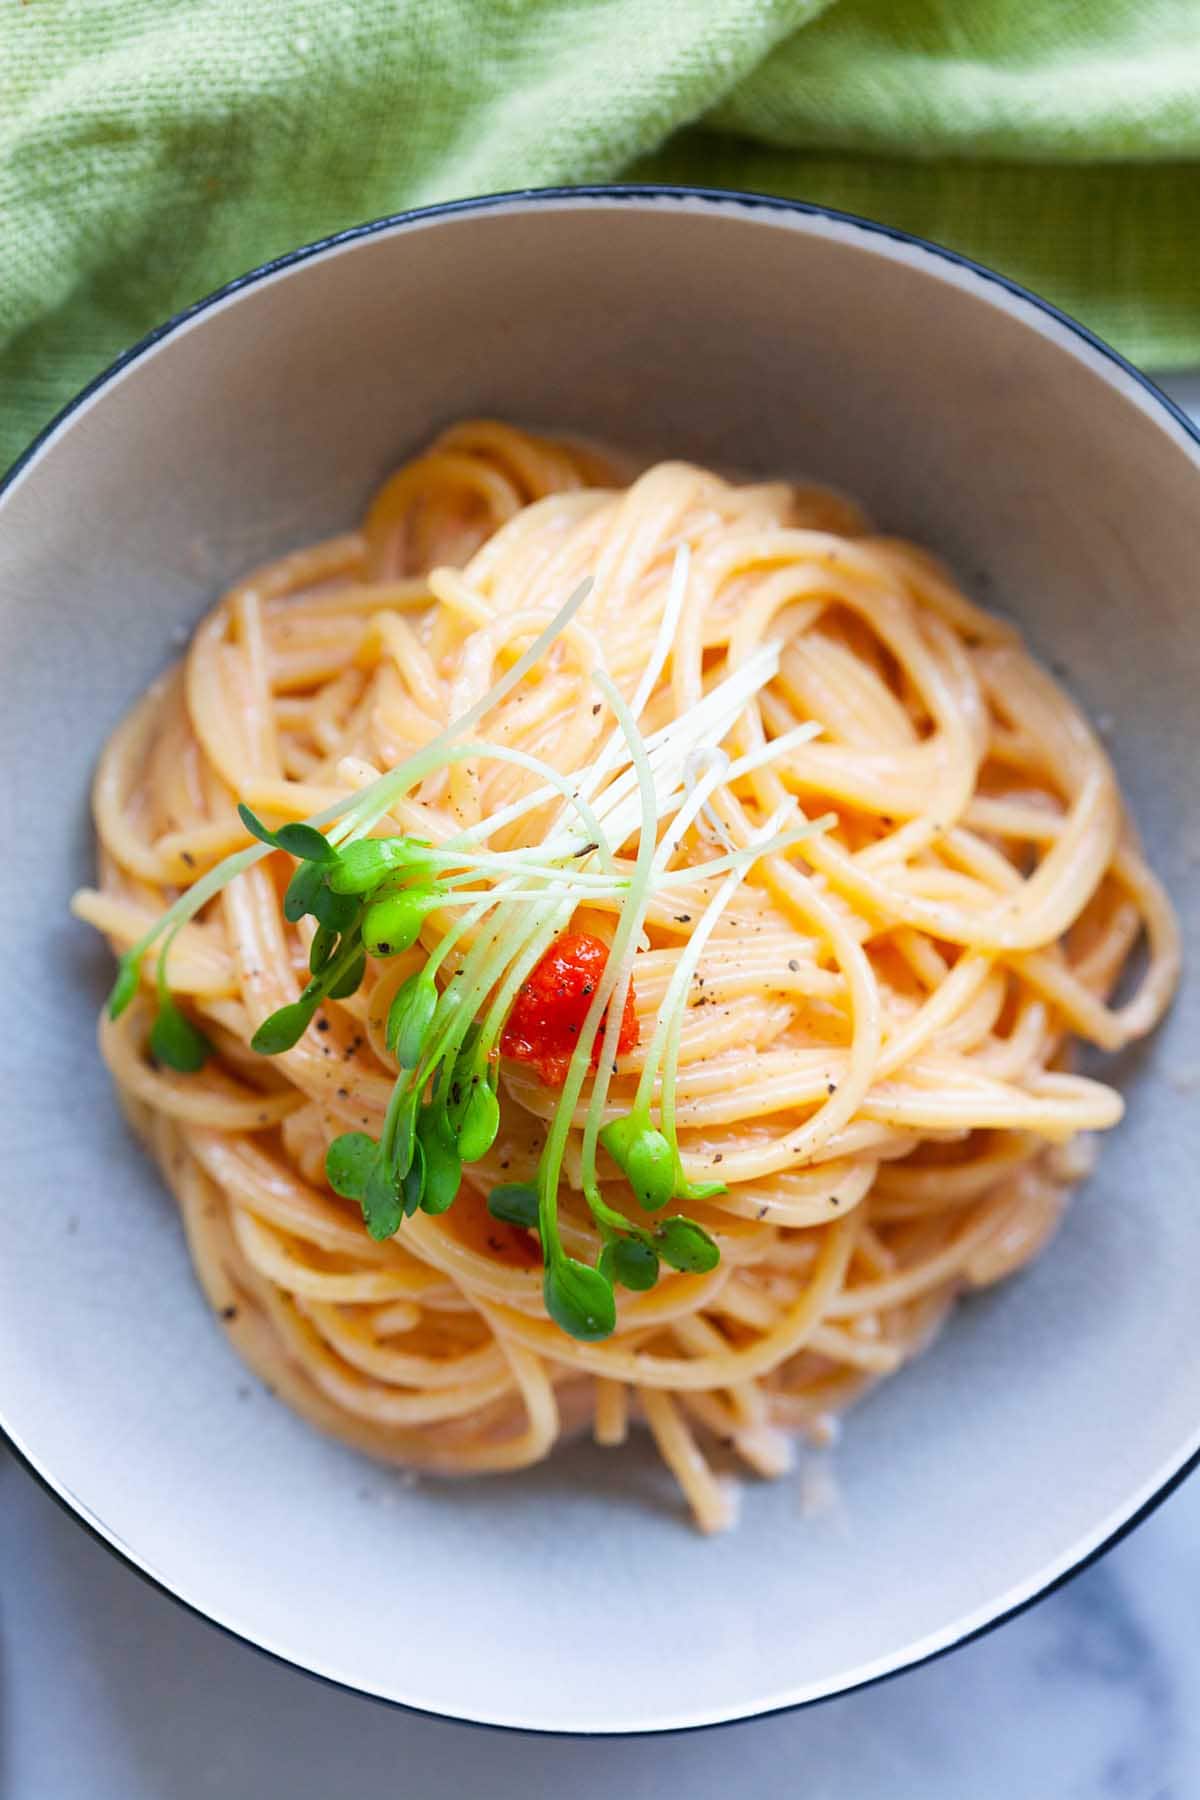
(737, 331)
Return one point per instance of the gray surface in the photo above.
(111, 1692)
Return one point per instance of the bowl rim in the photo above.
(959, 270)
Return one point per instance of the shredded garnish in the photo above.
(528, 987)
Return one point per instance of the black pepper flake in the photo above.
(596, 708)
(793, 965)
(762, 1211)
(343, 1093)
(719, 1157)
(229, 1312)
(185, 856)
(834, 1201)
(495, 1244)
(832, 1086)
(683, 918)
(322, 1024)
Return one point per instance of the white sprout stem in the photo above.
(618, 970)
(352, 809)
(188, 904)
(664, 1046)
(498, 897)
(713, 716)
(438, 955)
(609, 756)
(786, 840)
(538, 943)
(519, 863)
(716, 773)
(669, 749)
(773, 747)
(397, 781)
(555, 784)
(468, 986)
(733, 771)
(525, 958)
(623, 737)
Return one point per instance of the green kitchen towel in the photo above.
(151, 149)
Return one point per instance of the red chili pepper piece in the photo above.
(552, 1004)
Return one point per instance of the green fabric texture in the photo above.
(152, 149)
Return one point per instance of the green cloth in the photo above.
(151, 149)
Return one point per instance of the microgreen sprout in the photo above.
(647, 1155)
(174, 1040)
(487, 917)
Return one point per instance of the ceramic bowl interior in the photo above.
(757, 335)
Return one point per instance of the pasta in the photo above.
(873, 1049)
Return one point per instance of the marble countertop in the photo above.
(109, 1691)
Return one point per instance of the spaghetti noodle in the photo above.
(870, 1082)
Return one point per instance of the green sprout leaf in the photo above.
(320, 952)
(579, 1299)
(481, 1122)
(350, 980)
(516, 1203)
(306, 842)
(443, 1166)
(684, 1189)
(256, 828)
(414, 1180)
(645, 1157)
(280, 1030)
(409, 1017)
(362, 865)
(400, 1142)
(129, 975)
(175, 1041)
(686, 1246)
(634, 1264)
(393, 924)
(338, 911)
(303, 892)
(348, 1163)
(382, 1203)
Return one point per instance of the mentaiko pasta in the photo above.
(852, 871)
